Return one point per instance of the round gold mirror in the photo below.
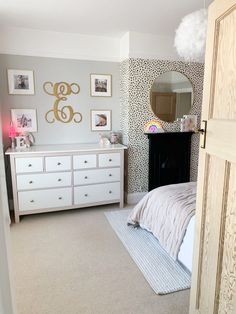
(171, 96)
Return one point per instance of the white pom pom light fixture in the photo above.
(190, 39)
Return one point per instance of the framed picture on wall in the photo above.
(20, 82)
(100, 85)
(24, 120)
(100, 120)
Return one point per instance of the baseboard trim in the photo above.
(134, 198)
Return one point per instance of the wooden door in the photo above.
(7, 305)
(214, 270)
(164, 106)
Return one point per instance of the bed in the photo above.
(169, 213)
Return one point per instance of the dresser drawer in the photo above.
(96, 193)
(43, 199)
(85, 161)
(109, 160)
(31, 164)
(43, 180)
(58, 163)
(96, 176)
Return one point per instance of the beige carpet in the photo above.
(72, 262)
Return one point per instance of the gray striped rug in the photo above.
(162, 273)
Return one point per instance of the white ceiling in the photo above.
(110, 18)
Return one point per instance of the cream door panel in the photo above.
(32, 164)
(96, 193)
(85, 161)
(96, 176)
(44, 180)
(109, 160)
(60, 163)
(213, 289)
(42, 199)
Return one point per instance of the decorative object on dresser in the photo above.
(20, 82)
(24, 140)
(169, 158)
(59, 177)
(12, 134)
(65, 113)
(100, 120)
(114, 137)
(24, 120)
(100, 85)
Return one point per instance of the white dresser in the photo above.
(59, 177)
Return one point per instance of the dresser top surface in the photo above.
(64, 148)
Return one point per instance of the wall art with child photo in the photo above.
(100, 120)
(20, 82)
(24, 120)
(100, 85)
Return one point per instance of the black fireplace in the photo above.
(169, 158)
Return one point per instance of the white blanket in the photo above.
(166, 212)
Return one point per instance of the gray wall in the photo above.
(56, 70)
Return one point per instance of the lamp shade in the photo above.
(12, 130)
(190, 38)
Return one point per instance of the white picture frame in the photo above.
(100, 120)
(190, 122)
(24, 120)
(20, 142)
(20, 82)
(100, 85)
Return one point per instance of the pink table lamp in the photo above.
(12, 134)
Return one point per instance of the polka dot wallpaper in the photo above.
(137, 76)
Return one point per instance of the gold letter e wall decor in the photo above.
(59, 112)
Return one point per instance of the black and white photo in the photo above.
(100, 85)
(20, 82)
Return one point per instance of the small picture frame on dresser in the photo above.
(20, 142)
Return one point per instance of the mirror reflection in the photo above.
(171, 96)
